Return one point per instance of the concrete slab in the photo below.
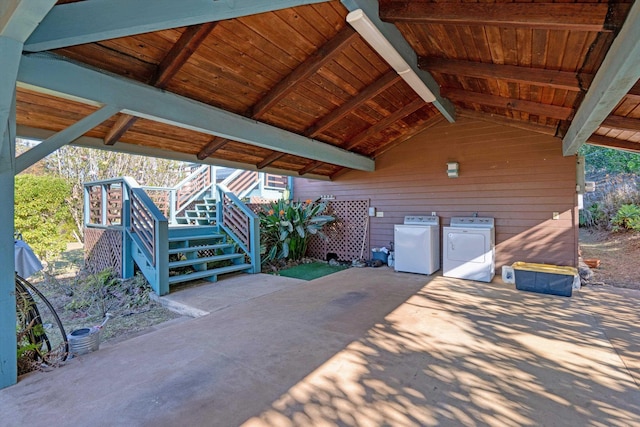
(360, 347)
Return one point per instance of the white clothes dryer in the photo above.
(469, 249)
(417, 244)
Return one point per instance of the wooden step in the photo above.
(203, 260)
(209, 273)
(196, 237)
(200, 248)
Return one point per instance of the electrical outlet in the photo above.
(379, 214)
(556, 215)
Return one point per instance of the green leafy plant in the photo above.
(627, 218)
(42, 213)
(592, 216)
(285, 228)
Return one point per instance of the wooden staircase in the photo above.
(201, 252)
(204, 213)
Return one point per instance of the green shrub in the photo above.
(627, 218)
(286, 226)
(42, 213)
(592, 216)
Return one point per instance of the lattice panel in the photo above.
(346, 234)
(103, 249)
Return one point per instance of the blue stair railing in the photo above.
(148, 240)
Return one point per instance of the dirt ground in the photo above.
(618, 253)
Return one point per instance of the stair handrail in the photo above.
(145, 228)
(203, 176)
(240, 223)
(246, 186)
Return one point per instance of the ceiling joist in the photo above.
(520, 124)
(548, 16)
(47, 73)
(534, 76)
(270, 159)
(510, 104)
(618, 144)
(179, 53)
(310, 66)
(82, 22)
(622, 123)
(214, 145)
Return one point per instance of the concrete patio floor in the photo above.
(362, 347)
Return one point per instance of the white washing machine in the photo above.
(469, 249)
(417, 244)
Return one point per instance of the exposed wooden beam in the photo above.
(618, 144)
(64, 137)
(397, 40)
(535, 108)
(618, 73)
(534, 76)
(142, 150)
(310, 66)
(547, 16)
(622, 123)
(379, 86)
(179, 53)
(385, 123)
(634, 93)
(309, 167)
(214, 145)
(270, 159)
(91, 21)
(507, 121)
(432, 121)
(51, 74)
(119, 128)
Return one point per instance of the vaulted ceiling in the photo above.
(290, 87)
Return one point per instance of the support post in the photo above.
(10, 51)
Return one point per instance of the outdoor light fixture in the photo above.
(452, 169)
(367, 29)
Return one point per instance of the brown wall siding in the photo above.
(516, 176)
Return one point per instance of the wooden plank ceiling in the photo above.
(306, 71)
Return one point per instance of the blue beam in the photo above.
(141, 150)
(63, 78)
(619, 71)
(90, 21)
(63, 137)
(393, 35)
(18, 18)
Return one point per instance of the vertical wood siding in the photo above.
(516, 176)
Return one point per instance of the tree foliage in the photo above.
(78, 165)
(42, 213)
(607, 160)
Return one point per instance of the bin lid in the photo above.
(544, 268)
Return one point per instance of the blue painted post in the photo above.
(162, 257)
(10, 51)
(254, 223)
(127, 257)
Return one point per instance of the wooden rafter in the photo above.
(432, 121)
(608, 142)
(535, 108)
(179, 53)
(214, 145)
(549, 16)
(622, 123)
(379, 86)
(270, 159)
(507, 121)
(309, 167)
(634, 93)
(535, 76)
(384, 123)
(311, 65)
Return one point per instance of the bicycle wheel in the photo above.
(44, 328)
